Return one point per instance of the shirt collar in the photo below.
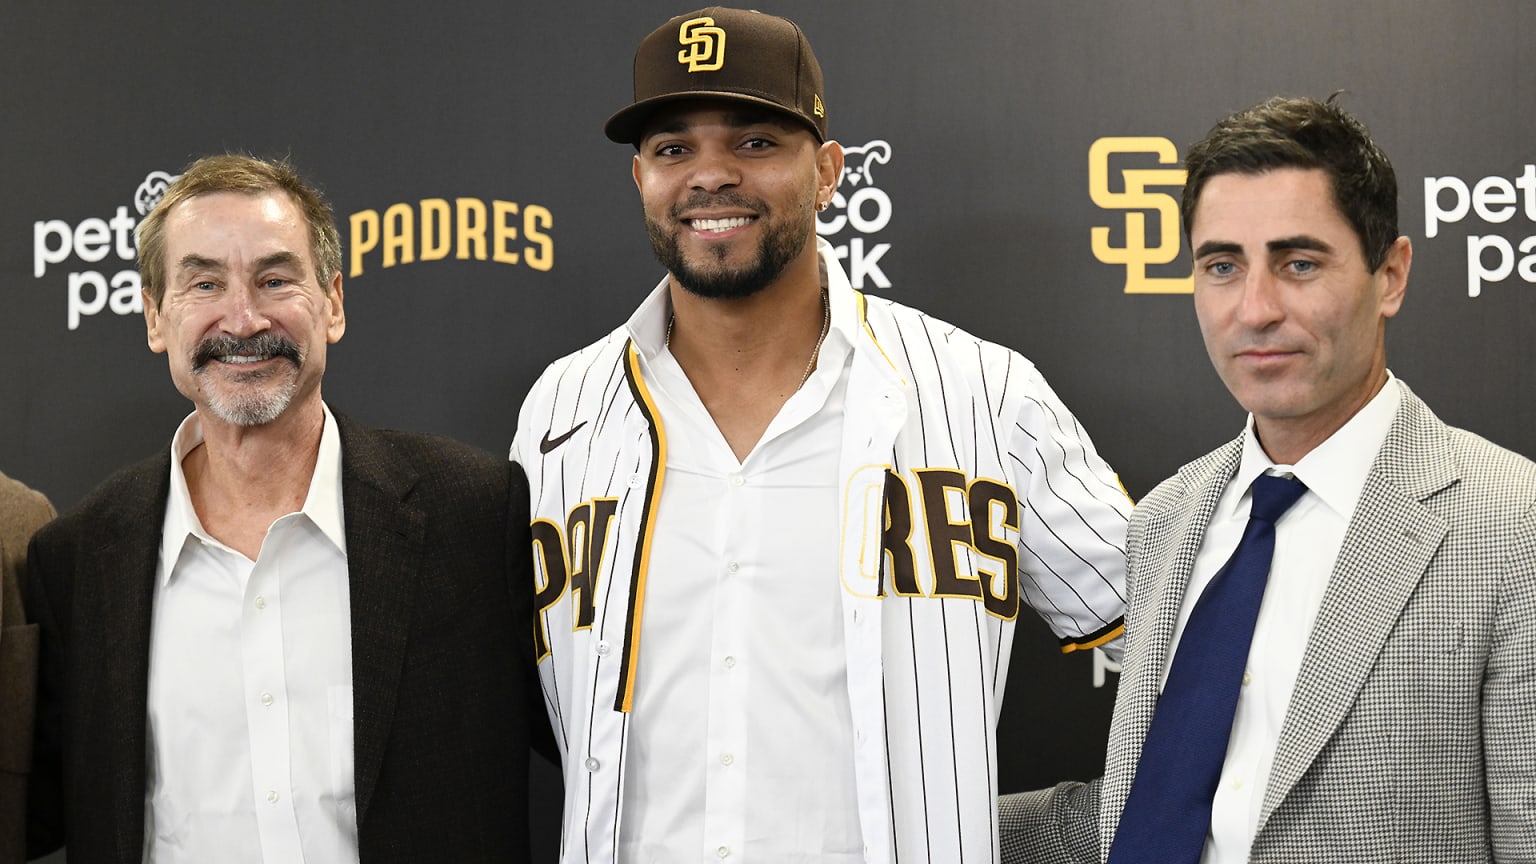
(843, 332)
(322, 503)
(1334, 470)
(648, 325)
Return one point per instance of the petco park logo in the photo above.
(1496, 200)
(864, 208)
(1139, 250)
(91, 241)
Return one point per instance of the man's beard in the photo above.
(249, 404)
(781, 243)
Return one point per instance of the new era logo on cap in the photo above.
(770, 64)
(703, 45)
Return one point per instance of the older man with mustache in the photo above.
(287, 637)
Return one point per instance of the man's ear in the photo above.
(1394, 272)
(829, 171)
(152, 324)
(336, 316)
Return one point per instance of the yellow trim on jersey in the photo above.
(861, 303)
(1094, 640)
(642, 394)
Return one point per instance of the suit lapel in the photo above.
(384, 548)
(1168, 541)
(120, 572)
(1390, 541)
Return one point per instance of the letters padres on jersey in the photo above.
(967, 487)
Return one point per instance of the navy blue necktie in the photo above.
(1168, 813)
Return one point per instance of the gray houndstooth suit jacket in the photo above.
(1411, 733)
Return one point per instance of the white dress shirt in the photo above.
(741, 746)
(250, 684)
(1307, 542)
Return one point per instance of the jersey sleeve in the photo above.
(1072, 521)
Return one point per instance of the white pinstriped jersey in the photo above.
(967, 487)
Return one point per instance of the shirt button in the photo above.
(266, 699)
(1247, 679)
(272, 796)
(730, 662)
(592, 764)
(738, 480)
(726, 758)
(603, 648)
(636, 481)
(732, 568)
(723, 851)
(261, 602)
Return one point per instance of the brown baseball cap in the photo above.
(720, 53)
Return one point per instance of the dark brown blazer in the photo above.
(438, 559)
(22, 512)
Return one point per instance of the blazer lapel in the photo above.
(1168, 541)
(1389, 543)
(385, 536)
(119, 574)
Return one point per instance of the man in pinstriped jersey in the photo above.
(782, 529)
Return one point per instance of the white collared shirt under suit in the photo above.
(250, 683)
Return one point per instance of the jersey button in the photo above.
(592, 764)
(603, 648)
(723, 852)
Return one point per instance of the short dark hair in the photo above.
(1285, 132)
(234, 172)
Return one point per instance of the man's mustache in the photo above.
(261, 346)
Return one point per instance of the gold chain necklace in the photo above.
(826, 325)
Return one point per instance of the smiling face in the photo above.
(244, 320)
(730, 194)
(1293, 321)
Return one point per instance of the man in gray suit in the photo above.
(1384, 706)
(286, 636)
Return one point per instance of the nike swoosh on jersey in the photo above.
(547, 443)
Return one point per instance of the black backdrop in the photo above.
(968, 195)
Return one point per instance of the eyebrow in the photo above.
(198, 262)
(1300, 241)
(278, 259)
(1217, 247)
